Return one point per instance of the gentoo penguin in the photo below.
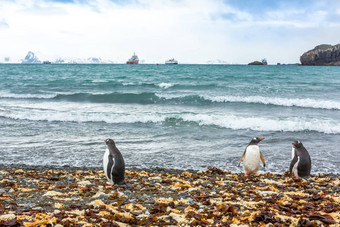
(113, 163)
(252, 156)
(301, 163)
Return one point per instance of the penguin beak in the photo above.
(294, 144)
(261, 139)
(105, 141)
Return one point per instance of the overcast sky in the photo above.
(191, 31)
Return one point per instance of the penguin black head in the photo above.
(297, 144)
(109, 141)
(255, 140)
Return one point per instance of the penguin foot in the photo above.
(109, 186)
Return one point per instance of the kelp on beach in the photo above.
(213, 197)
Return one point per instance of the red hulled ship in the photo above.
(133, 60)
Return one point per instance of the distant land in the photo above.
(321, 55)
(324, 55)
(31, 58)
(262, 62)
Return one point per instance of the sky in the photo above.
(191, 31)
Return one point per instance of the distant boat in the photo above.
(46, 62)
(133, 60)
(171, 62)
(264, 61)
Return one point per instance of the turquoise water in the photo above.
(179, 116)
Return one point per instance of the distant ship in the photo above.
(46, 62)
(171, 62)
(133, 60)
(264, 61)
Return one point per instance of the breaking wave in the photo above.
(165, 85)
(26, 96)
(307, 102)
(171, 98)
(141, 98)
(233, 122)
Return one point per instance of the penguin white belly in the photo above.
(106, 161)
(252, 159)
(294, 170)
(293, 153)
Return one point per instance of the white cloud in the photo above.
(190, 31)
(3, 24)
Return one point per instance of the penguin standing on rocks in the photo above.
(252, 157)
(113, 163)
(301, 163)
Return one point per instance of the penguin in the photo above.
(252, 156)
(113, 163)
(301, 164)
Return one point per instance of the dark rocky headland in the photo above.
(325, 55)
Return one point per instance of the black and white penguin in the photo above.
(252, 157)
(301, 163)
(113, 163)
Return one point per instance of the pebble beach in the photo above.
(69, 196)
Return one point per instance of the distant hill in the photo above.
(263, 62)
(322, 55)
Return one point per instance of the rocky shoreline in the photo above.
(70, 196)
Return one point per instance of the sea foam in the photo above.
(278, 101)
(25, 96)
(130, 116)
(265, 124)
(165, 85)
(302, 102)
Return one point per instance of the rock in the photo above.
(70, 178)
(28, 205)
(255, 63)
(103, 196)
(85, 182)
(38, 208)
(52, 194)
(100, 195)
(322, 55)
(262, 62)
(2, 191)
(7, 217)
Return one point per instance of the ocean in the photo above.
(169, 116)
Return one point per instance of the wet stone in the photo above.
(2, 191)
(191, 198)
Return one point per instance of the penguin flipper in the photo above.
(292, 163)
(244, 153)
(110, 166)
(262, 159)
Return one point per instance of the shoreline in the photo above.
(61, 196)
(154, 169)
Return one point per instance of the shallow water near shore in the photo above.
(177, 117)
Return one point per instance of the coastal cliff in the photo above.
(322, 55)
